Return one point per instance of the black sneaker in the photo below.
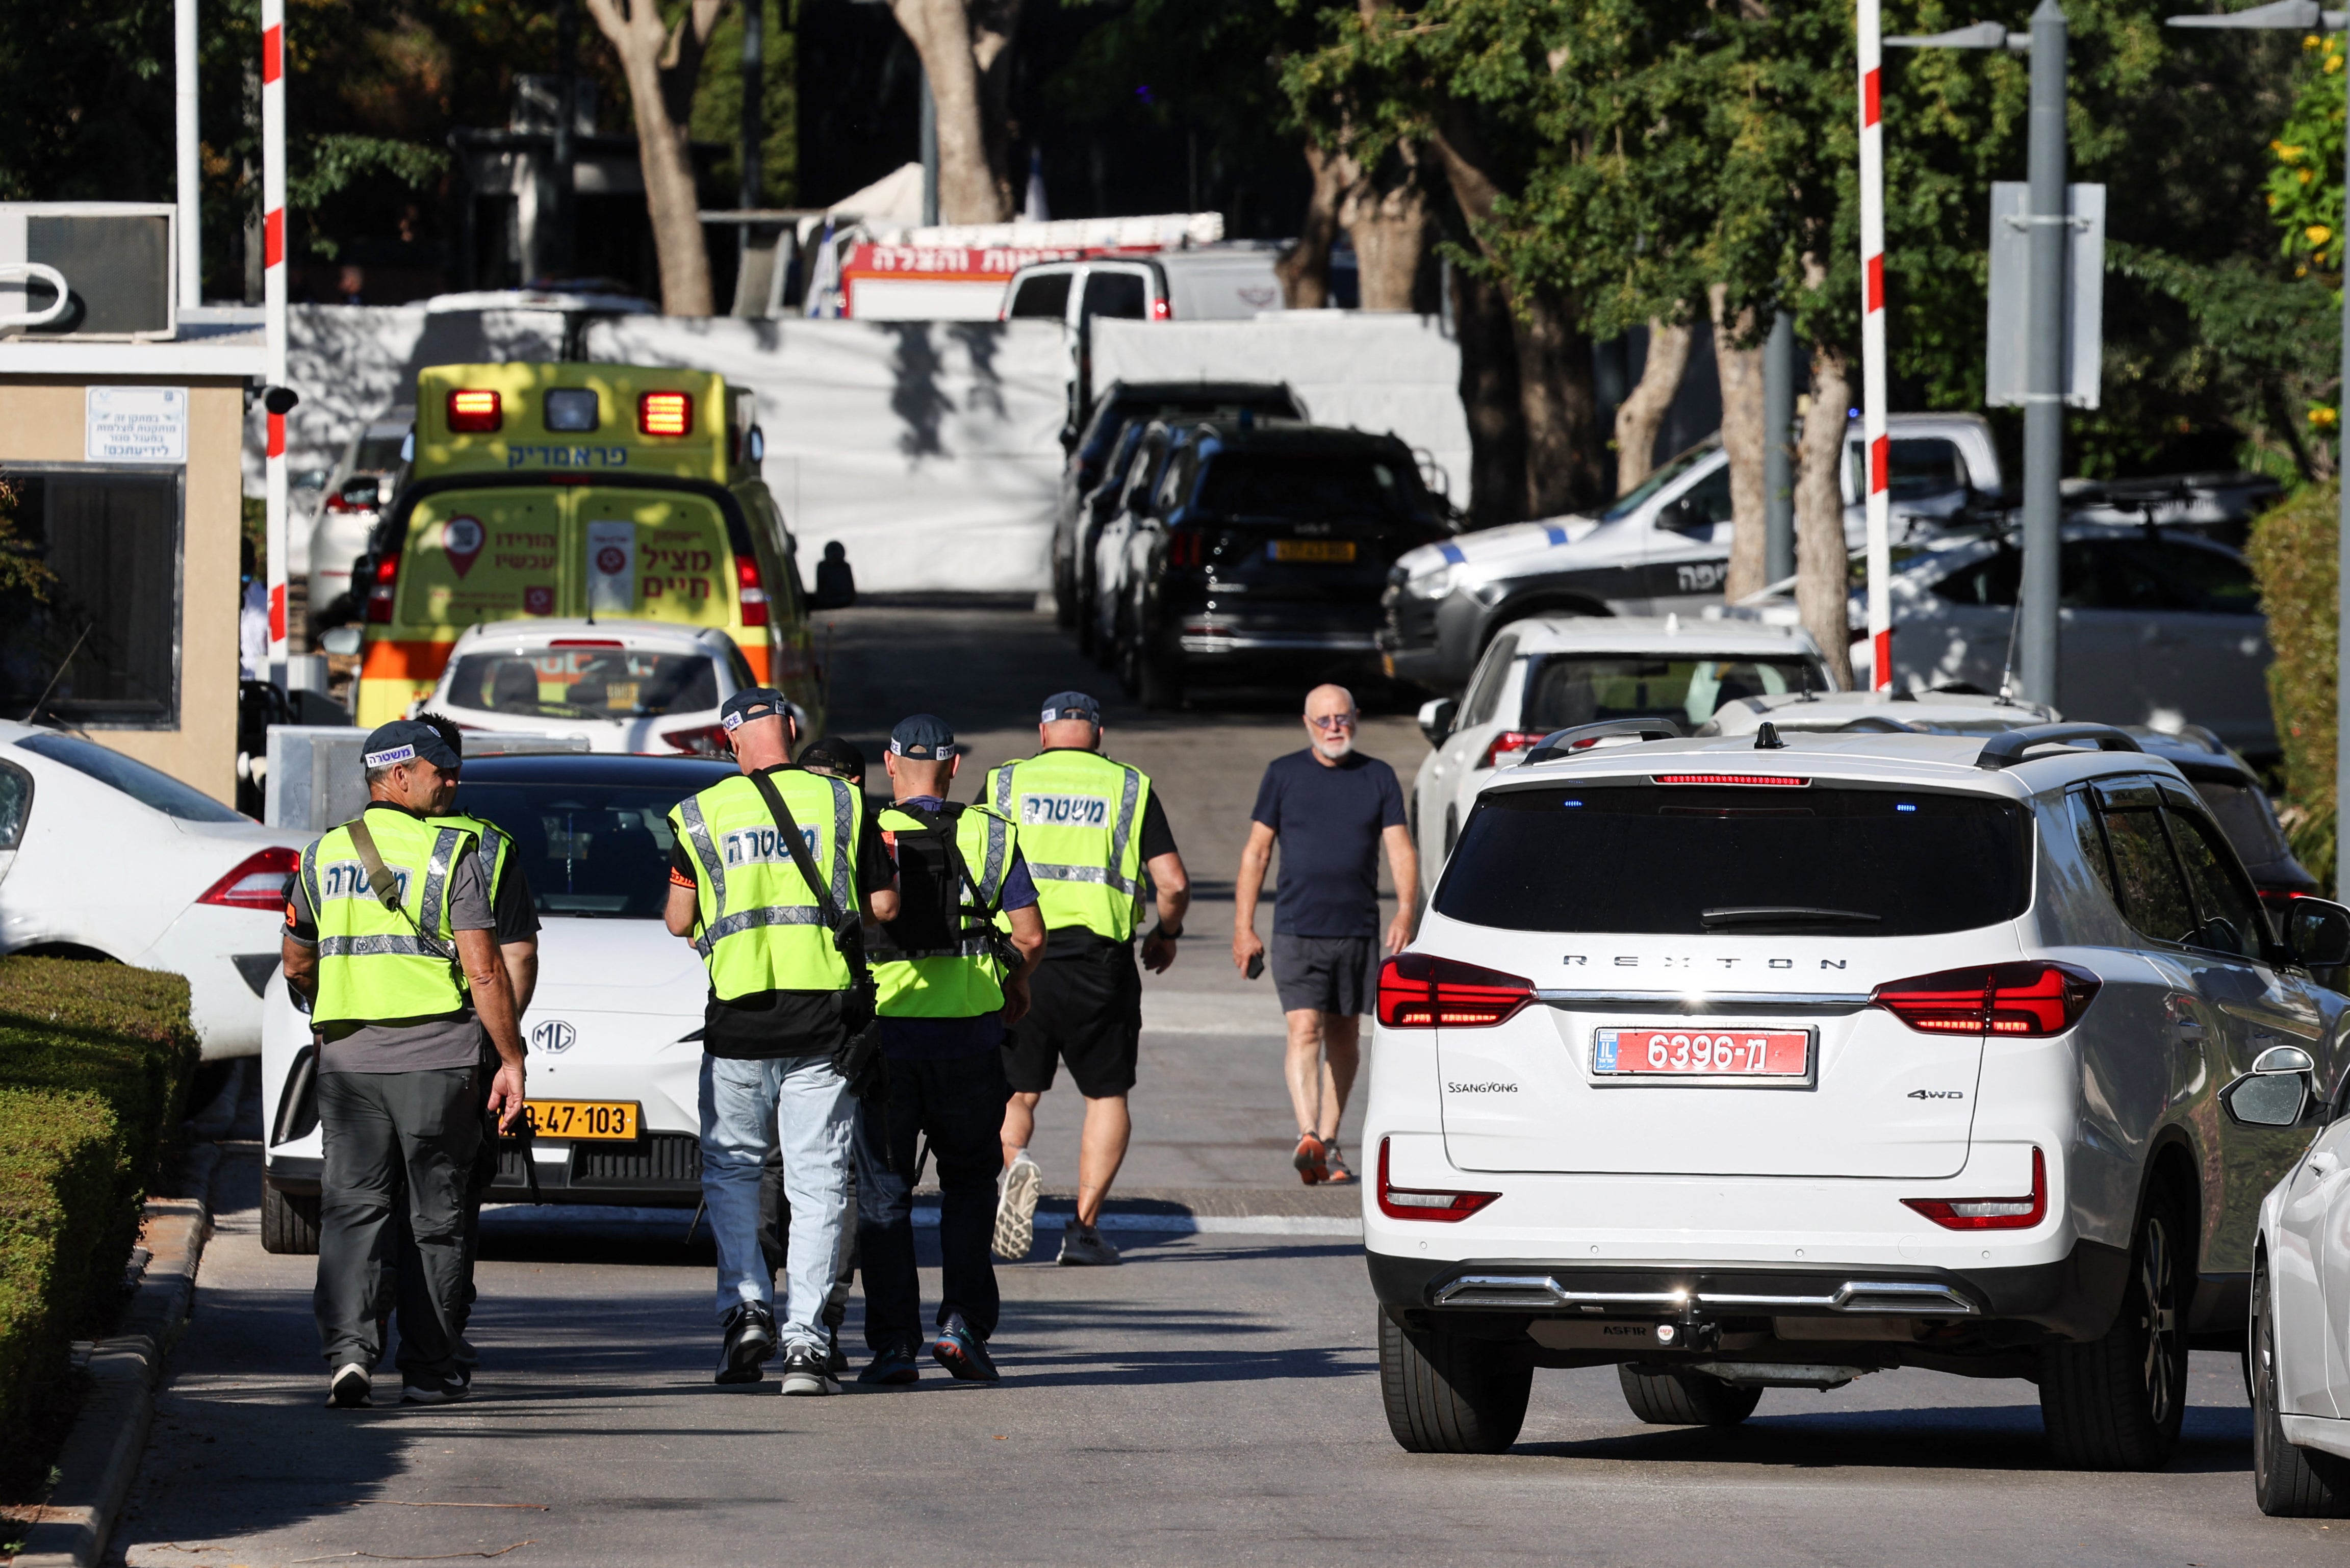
(836, 1360)
(750, 1340)
(805, 1374)
(892, 1364)
(348, 1388)
(963, 1353)
(424, 1388)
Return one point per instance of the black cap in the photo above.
(1071, 705)
(751, 704)
(836, 755)
(409, 741)
(924, 737)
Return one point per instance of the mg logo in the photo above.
(554, 1037)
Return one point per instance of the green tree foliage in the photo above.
(718, 106)
(2294, 554)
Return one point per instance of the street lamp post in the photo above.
(2306, 16)
(2043, 404)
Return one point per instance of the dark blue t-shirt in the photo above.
(1328, 821)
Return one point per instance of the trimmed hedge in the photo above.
(2292, 551)
(95, 1063)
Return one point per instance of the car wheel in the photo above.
(289, 1221)
(1159, 679)
(1448, 1394)
(1064, 598)
(2116, 1402)
(1669, 1397)
(2288, 1482)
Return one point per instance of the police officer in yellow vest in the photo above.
(781, 990)
(1092, 826)
(949, 981)
(392, 939)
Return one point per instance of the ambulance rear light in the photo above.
(380, 596)
(665, 413)
(474, 410)
(257, 882)
(749, 591)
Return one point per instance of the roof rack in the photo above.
(2006, 749)
(1558, 742)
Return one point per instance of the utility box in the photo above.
(117, 261)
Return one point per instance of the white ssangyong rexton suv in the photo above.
(1756, 1062)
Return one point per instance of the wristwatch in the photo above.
(1166, 934)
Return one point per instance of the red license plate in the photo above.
(1682, 1052)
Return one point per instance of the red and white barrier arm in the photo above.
(1872, 345)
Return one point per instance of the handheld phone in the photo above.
(1256, 965)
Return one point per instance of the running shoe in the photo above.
(1312, 1159)
(1015, 1209)
(892, 1364)
(836, 1360)
(348, 1388)
(804, 1373)
(424, 1388)
(961, 1353)
(1334, 1169)
(750, 1340)
(1083, 1247)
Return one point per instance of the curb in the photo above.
(101, 1454)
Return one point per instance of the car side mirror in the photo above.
(2276, 1093)
(1436, 717)
(2317, 933)
(341, 641)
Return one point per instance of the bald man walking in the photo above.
(1330, 808)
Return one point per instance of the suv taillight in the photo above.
(387, 582)
(1519, 741)
(1990, 1213)
(750, 592)
(1420, 991)
(1425, 1204)
(1186, 547)
(2028, 999)
(258, 882)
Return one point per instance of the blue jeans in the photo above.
(799, 1105)
(958, 1103)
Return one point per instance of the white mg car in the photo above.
(615, 1032)
(1771, 1061)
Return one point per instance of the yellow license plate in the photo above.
(1331, 552)
(607, 1120)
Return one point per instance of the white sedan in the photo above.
(621, 686)
(614, 1031)
(104, 858)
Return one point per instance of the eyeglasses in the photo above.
(1335, 722)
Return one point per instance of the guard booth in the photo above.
(122, 430)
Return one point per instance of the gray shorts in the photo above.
(1326, 975)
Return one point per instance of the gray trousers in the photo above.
(395, 1140)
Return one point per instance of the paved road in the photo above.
(1215, 1401)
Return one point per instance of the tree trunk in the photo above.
(1489, 397)
(1386, 215)
(1823, 574)
(661, 65)
(944, 34)
(993, 23)
(1560, 405)
(1741, 372)
(1304, 267)
(1642, 412)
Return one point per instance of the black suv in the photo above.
(1263, 550)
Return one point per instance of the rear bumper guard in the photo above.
(1543, 1292)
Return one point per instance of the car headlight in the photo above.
(1431, 584)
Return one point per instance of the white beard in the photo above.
(1335, 750)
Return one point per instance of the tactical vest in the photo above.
(377, 964)
(934, 959)
(1079, 817)
(761, 926)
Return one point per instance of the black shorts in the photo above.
(1086, 1012)
(1326, 975)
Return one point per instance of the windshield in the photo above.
(1698, 860)
(1628, 504)
(1574, 689)
(1300, 484)
(137, 779)
(2245, 818)
(589, 849)
(584, 682)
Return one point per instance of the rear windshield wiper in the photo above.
(1783, 915)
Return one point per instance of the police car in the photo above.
(1775, 1060)
(615, 1030)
